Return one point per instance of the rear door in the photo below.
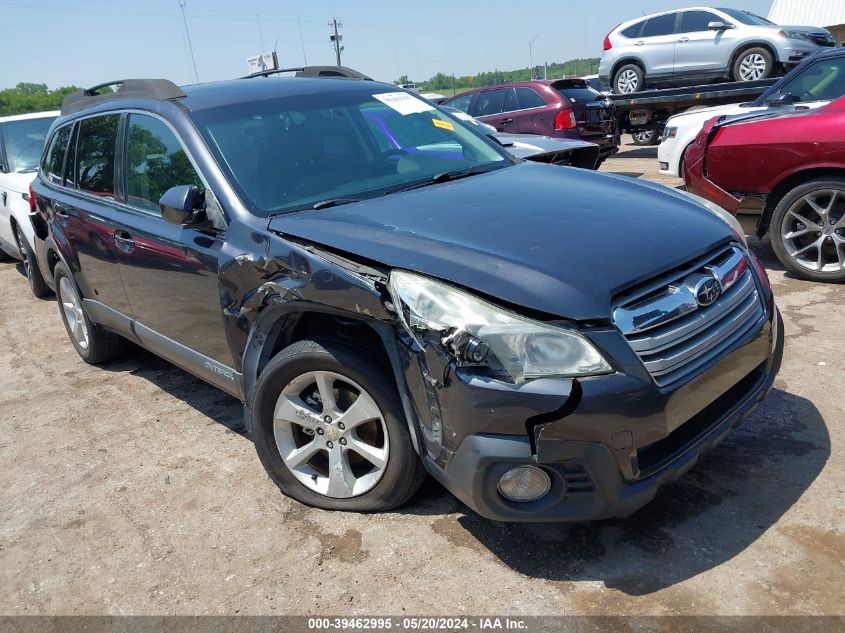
(170, 271)
(534, 117)
(82, 211)
(489, 107)
(594, 112)
(699, 50)
(658, 45)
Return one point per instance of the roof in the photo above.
(822, 13)
(220, 93)
(31, 115)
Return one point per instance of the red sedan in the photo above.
(784, 175)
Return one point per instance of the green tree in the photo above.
(32, 97)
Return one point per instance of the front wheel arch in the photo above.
(786, 185)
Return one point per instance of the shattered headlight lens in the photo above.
(481, 334)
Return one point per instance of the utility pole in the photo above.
(336, 38)
(188, 34)
(531, 53)
(260, 34)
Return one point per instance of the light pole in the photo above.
(531, 53)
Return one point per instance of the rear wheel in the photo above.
(93, 344)
(808, 230)
(753, 64)
(330, 431)
(628, 78)
(645, 137)
(36, 281)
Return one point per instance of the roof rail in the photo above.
(328, 72)
(158, 89)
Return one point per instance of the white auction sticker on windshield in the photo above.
(403, 103)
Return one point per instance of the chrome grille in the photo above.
(671, 331)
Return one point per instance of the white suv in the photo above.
(701, 43)
(21, 143)
(813, 84)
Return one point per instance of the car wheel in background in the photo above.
(808, 230)
(645, 137)
(329, 429)
(36, 281)
(628, 78)
(93, 344)
(753, 64)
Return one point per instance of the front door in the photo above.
(700, 50)
(170, 271)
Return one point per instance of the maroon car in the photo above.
(562, 108)
(783, 175)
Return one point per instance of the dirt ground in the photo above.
(131, 489)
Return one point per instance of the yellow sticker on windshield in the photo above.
(445, 125)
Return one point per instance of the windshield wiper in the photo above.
(334, 202)
(445, 176)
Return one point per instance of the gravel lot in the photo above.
(131, 489)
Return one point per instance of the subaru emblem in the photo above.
(707, 291)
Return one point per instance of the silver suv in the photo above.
(700, 43)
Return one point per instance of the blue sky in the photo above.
(87, 42)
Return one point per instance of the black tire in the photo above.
(646, 137)
(102, 345)
(632, 78)
(829, 243)
(403, 472)
(36, 281)
(760, 53)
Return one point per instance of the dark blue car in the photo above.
(391, 294)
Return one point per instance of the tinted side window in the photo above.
(54, 160)
(155, 162)
(490, 102)
(461, 103)
(633, 30)
(528, 98)
(661, 25)
(823, 81)
(693, 21)
(510, 101)
(95, 155)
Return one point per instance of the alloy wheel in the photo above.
(627, 82)
(72, 308)
(752, 67)
(331, 434)
(813, 231)
(27, 265)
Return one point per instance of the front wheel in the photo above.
(753, 64)
(36, 281)
(330, 431)
(808, 230)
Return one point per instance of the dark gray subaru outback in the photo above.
(390, 293)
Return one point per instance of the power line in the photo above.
(190, 46)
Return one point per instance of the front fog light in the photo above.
(524, 483)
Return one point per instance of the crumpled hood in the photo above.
(557, 240)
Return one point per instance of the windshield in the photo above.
(24, 141)
(290, 153)
(746, 17)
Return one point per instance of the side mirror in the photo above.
(782, 99)
(717, 26)
(179, 205)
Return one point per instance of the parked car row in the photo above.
(392, 293)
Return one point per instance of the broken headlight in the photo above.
(479, 333)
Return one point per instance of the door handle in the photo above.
(640, 43)
(124, 241)
(683, 39)
(507, 120)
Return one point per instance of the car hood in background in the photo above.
(552, 239)
(527, 145)
(18, 181)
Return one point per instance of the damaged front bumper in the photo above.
(608, 443)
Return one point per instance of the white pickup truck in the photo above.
(21, 143)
